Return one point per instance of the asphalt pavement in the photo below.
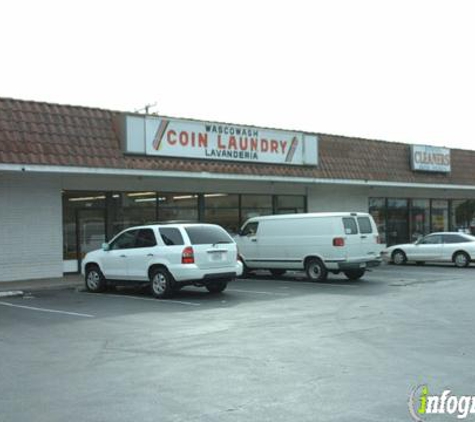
(266, 349)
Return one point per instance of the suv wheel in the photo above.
(217, 286)
(316, 270)
(162, 283)
(355, 274)
(95, 281)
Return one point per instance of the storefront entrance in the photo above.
(92, 218)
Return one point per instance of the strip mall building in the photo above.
(72, 177)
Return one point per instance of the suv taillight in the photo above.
(338, 241)
(378, 240)
(188, 256)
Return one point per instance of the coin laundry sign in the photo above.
(213, 141)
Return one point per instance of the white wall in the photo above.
(31, 244)
(328, 198)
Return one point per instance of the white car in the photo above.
(166, 256)
(455, 247)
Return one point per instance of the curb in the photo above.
(13, 293)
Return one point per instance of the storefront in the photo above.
(73, 177)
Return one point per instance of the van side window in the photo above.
(365, 225)
(350, 225)
(250, 229)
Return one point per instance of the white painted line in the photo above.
(181, 302)
(32, 308)
(254, 291)
(12, 293)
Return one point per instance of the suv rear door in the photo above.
(212, 246)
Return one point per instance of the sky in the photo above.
(401, 71)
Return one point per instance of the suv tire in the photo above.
(94, 279)
(217, 286)
(161, 283)
(355, 274)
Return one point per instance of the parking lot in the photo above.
(266, 349)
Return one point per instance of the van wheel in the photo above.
(161, 283)
(355, 274)
(217, 286)
(277, 273)
(246, 272)
(95, 281)
(316, 270)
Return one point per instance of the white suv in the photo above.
(166, 256)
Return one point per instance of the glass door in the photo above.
(91, 231)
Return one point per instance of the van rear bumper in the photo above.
(355, 265)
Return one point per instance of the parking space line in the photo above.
(181, 302)
(254, 291)
(53, 311)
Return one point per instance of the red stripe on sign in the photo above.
(291, 152)
(162, 127)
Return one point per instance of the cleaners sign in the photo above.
(167, 137)
(428, 158)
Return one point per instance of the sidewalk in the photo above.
(17, 288)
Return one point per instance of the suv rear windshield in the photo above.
(207, 235)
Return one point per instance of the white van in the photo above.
(345, 242)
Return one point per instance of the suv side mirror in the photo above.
(105, 247)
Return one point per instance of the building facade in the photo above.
(73, 177)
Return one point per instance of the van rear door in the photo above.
(368, 236)
(212, 246)
(352, 239)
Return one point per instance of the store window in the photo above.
(177, 207)
(130, 209)
(440, 215)
(420, 218)
(83, 225)
(255, 205)
(463, 216)
(222, 209)
(397, 218)
(289, 204)
(377, 208)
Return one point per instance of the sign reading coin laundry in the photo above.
(194, 139)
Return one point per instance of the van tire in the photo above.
(316, 270)
(162, 284)
(355, 274)
(246, 272)
(94, 279)
(217, 287)
(277, 272)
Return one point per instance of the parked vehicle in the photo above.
(315, 242)
(168, 257)
(455, 247)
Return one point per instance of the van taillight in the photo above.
(188, 256)
(338, 241)
(378, 240)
